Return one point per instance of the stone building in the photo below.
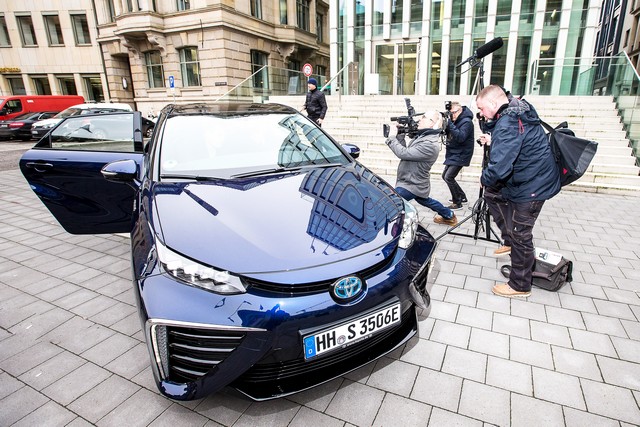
(204, 48)
(50, 48)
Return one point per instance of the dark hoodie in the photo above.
(521, 161)
(460, 140)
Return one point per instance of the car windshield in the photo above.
(68, 113)
(226, 146)
(26, 116)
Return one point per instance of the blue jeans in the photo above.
(428, 202)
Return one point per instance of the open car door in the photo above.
(64, 170)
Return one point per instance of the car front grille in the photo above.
(191, 352)
(315, 287)
(265, 380)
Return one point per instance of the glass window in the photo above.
(17, 85)
(41, 85)
(67, 85)
(4, 32)
(302, 12)
(54, 30)
(81, 29)
(256, 8)
(416, 10)
(258, 61)
(482, 10)
(320, 27)
(283, 12)
(396, 11)
(182, 4)
(190, 66)
(155, 71)
(27, 32)
(93, 88)
(112, 11)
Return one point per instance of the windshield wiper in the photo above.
(283, 169)
(265, 172)
(192, 177)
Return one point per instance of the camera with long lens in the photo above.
(447, 116)
(407, 124)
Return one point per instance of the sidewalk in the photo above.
(72, 353)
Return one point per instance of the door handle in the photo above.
(39, 166)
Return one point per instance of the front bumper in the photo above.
(200, 342)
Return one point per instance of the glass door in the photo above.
(396, 65)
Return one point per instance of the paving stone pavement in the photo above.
(72, 352)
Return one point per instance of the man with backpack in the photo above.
(522, 167)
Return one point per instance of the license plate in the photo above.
(350, 333)
(34, 132)
(4, 126)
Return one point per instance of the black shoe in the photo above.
(464, 200)
(455, 206)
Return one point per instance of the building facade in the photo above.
(197, 50)
(406, 47)
(631, 33)
(50, 48)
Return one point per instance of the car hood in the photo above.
(281, 222)
(46, 122)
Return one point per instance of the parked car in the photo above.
(20, 126)
(147, 127)
(41, 128)
(264, 256)
(12, 106)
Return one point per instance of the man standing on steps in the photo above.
(315, 104)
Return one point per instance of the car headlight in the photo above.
(409, 226)
(45, 126)
(196, 274)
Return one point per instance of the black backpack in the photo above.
(573, 154)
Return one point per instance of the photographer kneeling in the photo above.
(416, 158)
(459, 151)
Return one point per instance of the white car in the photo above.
(42, 127)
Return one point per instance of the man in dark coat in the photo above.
(522, 165)
(315, 104)
(459, 151)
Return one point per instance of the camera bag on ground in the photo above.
(550, 271)
(572, 154)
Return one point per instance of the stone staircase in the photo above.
(358, 120)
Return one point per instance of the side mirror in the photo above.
(125, 171)
(352, 149)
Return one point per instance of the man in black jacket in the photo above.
(522, 166)
(459, 151)
(315, 104)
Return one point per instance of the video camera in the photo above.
(407, 124)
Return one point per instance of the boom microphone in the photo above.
(484, 50)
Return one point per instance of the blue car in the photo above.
(264, 257)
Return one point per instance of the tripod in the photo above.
(480, 214)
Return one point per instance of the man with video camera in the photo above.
(459, 149)
(416, 158)
(522, 167)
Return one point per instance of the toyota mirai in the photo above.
(264, 257)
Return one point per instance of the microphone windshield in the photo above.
(489, 47)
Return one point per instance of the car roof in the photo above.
(103, 105)
(227, 108)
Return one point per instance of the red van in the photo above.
(12, 106)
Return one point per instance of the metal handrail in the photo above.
(236, 86)
(338, 74)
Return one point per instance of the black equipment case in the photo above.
(550, 271)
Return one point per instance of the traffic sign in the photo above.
(171, 82)
(307, 69)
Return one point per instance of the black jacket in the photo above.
(460, 140)
(520, 157)
(315, 104)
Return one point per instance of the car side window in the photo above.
(104, 132)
